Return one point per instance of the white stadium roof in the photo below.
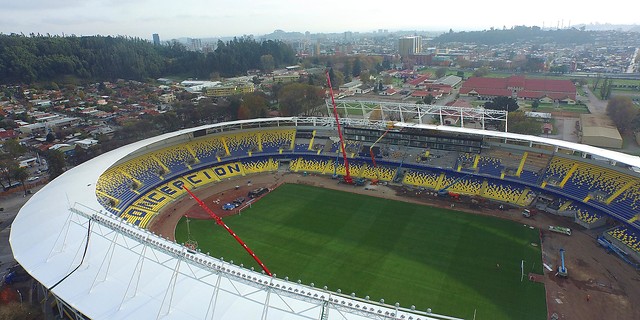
(128, 273)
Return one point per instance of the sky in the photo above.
(217, 18)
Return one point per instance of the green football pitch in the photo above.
(455, 263)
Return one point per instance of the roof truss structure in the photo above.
(477, 118)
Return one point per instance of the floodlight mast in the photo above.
(222, 224)
(347, 176)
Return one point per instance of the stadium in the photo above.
(90, 236)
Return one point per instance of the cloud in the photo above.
(40, 5)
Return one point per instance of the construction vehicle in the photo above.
(562, 269)
(443, 192)
(610, 247)
(562, 230)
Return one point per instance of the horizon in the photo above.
(203, 19)
(390, 31)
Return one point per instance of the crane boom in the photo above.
(224, 225)
(347, 177)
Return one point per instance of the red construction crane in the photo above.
(222, 224)
(347, 176)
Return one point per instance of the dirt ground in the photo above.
(599, 286)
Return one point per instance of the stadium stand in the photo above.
(114, 188)
(147, 170)
(559, 170)
(587, 215)
(426, 179)
(626, 236)
(276, 141)
(497, 174)
(259, 166)
(175, 158)
(311, 164)
(490, 166)
(242, 144)
(505, 192)
(207, 149)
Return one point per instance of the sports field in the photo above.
(452, 262)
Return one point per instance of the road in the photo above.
(632, 64)
(595, 105)
(11, 204)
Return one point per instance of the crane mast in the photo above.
(347, 176)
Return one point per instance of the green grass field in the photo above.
(415, 255)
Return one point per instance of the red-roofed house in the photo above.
(7, 134)
(389, 92)
(545, 90)
(460, 103)
(418, 81)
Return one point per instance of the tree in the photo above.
(502, 103)
(603, 88)
(337, 78)
(386, 64)
(253, 105)
(51, 137)
(380, 86)
(440, 72)
(346, 71)
(387, 79)
(14, 148)
(460, 74)
(622, 112)
(56, 163)
(42, 59)
(428, 99)
(481, 72)
(535, 104)
(357, 68)
(520, 123)
(267, 63)
(21, 174)
(7, 166)
(300, 99)
(332, 77)
(365, 77)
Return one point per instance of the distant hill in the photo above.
(608, 27)
(283, 35)
(517, 34)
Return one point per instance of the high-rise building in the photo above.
(409, 45)
(156, 39)
(194, 44)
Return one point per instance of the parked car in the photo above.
(238, 201)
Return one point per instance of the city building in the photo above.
(230, 90)
(286, 77)
(599, 131)
(519, 87)
(156, 39)
(409, 45)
